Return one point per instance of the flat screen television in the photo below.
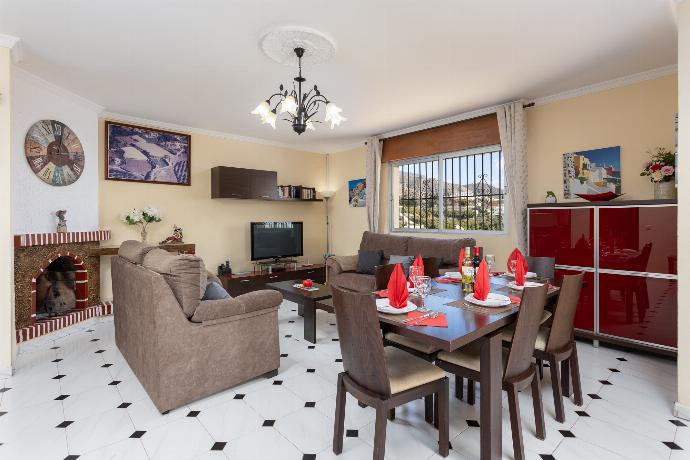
(273, 240)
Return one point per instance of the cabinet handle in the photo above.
(244, 281)
(312, 271)
(271, 277)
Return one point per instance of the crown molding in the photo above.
(8, 41)
(206, 132)
(609, 84)
(14, 44)
(57, 90)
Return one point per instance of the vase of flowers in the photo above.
(662, 173)
(141, 218)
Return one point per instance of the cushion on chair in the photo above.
(410, 343)
(407, 371)
(542, 338)
(184, 273)
(507, 332)
(368, 260)
(135, 251)
(468, 356)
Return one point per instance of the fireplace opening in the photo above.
(56, 289)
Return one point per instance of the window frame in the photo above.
(440, 158)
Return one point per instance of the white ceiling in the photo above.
(398, 62)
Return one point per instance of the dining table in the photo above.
(467, 324)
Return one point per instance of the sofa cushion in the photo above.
(354, 281)
(209, 310)
(367, 260)
(215, 291)
(445, 250)
(389, 244)
(405, 261)
(184, 273)
(135, 251)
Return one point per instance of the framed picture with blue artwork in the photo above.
(357, 193)
(141, 154)
(592, 172)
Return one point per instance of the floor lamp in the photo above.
(326, 197)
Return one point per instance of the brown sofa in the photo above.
(182, 348)
(341, 270)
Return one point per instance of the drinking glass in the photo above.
(423, 285)
(513, 265)
(490, 261)
(415, 272)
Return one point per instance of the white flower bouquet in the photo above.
(142, 218)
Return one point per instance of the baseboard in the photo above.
(681, 411)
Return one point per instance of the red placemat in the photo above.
(439, 321)
(445, 280)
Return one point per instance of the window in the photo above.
(460, 191)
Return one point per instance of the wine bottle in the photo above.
(467, 272)
(476, 260)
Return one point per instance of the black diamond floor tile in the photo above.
(277, 382)
(57, 377)
(115, 382)
(284, 355)
(622, 360)
(94, 340)
(290, 321)
(269, 423)
(672, 445)
(582, 413)
(677, 423)
(193, 413)
(352, 433)
(99, 351)
(106, 365)
(2, 413)
(339, 360)
(310, 404)
(311, 347)
(239, 396)
(124, 405)
(137, 434)
(605, 382)
(473, 423)
(65, 424)
(335, 340)
(288, 336)
(311, 371)
(309, 457)
(2, 390)
(614, 370)
(547, 457)
(566, 433)
(54, 348)
(166, 412)
(56, 360)
(218, 445)
(72, 457)
(61, 397)
(594, 396)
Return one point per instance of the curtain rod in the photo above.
(524, 106)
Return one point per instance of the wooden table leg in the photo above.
(310, 321)
(300, 309)
(490, 408)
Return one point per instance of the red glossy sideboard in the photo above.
(628, 251)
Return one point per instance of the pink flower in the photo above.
(667, 170)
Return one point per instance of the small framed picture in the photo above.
(357, 189)
(142, 154)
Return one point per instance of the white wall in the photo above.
(34, 201)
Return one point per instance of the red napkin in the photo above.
(520, 270)
(482, 285)
(515, 299)
(418, 262)
(397, 288)
(514, 256)
(382, 293)
(439, 321)
(461, 260)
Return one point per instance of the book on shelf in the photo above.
(296, 192)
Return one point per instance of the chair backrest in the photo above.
(383, 272)
(526, 329)
(561, 332)
(544, 267)
(360, 340)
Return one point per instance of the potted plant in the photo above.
(661, 172)
(142, 218)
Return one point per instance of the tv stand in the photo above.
(274, 265)
(241, 283)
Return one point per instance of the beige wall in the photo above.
(220, 227)
(347, 224)
(684, 208)
(637, 117)
(7, 342)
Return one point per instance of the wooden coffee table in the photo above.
(306, 301)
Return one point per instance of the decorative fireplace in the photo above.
(57, 281)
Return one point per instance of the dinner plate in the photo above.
(383, 306)
(527, 275)
(452, 275)
(513, 285)
(492, 300)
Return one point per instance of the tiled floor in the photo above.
(74, 396)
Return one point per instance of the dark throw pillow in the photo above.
(367, 260)
(215, 291)
(405, 261)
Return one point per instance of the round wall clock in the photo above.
(54, 152)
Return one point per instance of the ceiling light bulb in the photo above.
(333, 115)
(289, 105)
(270, 119)
(262, 109)
(310, 126)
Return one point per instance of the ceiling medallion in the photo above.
(289, 45)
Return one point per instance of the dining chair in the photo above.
(518, 370)
(383, 272)
(556, 344)
(377, 376)
(544, 267)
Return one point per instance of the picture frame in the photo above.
(357, 193)
(149, 155)
(592, 171)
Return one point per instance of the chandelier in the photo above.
(299, 107)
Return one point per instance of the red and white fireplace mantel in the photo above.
(75, 290)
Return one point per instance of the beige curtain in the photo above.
(373, 178)
(512, 127)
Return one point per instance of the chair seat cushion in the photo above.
(507, 333)
(354, 281)
(468, 356)
(410, 343)
(407, 371)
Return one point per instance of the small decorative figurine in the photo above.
(225, 269)
(550, 197)
(176, 236)
(62, 221)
